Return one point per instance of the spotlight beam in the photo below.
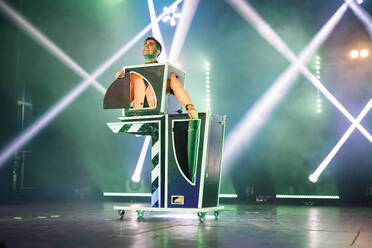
(155, 29)
(42, 40)
(23, 138)
(137, 173)
(314, 176)
(253, 120)
(188, 12)
(362, 15)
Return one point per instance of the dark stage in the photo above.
(95, 224)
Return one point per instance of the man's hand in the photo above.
(193, 113)
(120, 74)
(173, 76)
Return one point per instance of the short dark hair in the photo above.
(158, 45)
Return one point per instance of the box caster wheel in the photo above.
(201, 216)
(121, 213)
(216, 214)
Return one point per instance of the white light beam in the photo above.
(187, 14)
(137, 173)
(362, 15)
(315, 175)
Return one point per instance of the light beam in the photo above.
(188, 12)
(253, 120)
(137, 173)
(362, 15)
(315, 175)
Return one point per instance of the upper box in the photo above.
(156, 77)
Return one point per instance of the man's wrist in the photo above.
(189, 106)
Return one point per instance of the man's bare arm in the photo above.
(183, 97)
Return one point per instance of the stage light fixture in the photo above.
(354, 54)
(207, 87)
(171, 15)
(318, 100)
(364, 53)
(319, 103)
(253, 120)
(360, 1)
(329, 197)
(313, 178)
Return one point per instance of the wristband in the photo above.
(187, 106)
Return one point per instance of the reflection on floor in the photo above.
(95, 224)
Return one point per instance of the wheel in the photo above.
(216, 214)
(121, 213)
(201, 217)
(140, 213)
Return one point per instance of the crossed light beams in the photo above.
(56, 109)
(366, 19)
(258, 22)
(187, 14)
(315, 175)
(253, 120)
(23, 24)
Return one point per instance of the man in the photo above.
(141, 91)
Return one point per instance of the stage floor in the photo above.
(96, 224)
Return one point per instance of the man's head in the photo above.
(151, 49)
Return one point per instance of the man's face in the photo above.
(149, 49)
